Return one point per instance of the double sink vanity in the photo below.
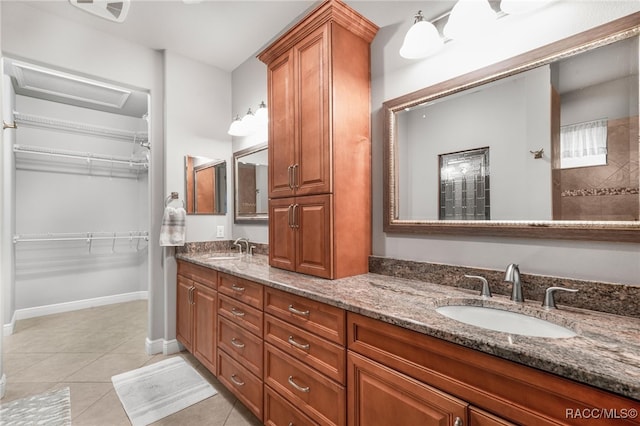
(377, 350)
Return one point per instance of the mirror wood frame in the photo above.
(608, 33)
(237, 218)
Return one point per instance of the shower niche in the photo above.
(78, 154)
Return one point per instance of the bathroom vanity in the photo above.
(373, 350)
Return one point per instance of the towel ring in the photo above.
(173, 196)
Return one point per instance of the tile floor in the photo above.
(83, 349)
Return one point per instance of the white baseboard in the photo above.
(9, 328)
(171, 347)
(153, 346)
(57, 308)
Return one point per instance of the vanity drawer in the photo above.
(242, 314)
(319, 318)
(279, 412)
(326, 357)
(244, 385)
(241, 289)
(241, 345)
(204, 276)
(322, 399)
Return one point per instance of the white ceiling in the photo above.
(226, 33)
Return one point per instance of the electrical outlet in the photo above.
(220, 231)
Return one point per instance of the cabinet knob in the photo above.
(458, 422)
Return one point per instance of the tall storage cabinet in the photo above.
(319, 144)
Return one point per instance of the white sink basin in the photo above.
(505, 321)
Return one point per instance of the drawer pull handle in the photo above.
(236, 380)
(458, 422)
(236, 287)
(237, 312)
(235, 342)
(297, 386)
(298, 312)
(293, 342)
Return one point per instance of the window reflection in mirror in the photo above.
(206, 185)
(250, 185)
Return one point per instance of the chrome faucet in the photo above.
(241, 240)
(512, 275)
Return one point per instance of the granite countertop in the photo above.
(605, 353)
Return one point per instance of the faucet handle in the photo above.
(486, 291)
(549, 299)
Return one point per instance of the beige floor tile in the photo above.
(108, 365)
(241, 416)
(17, 390)
(212, 411)
(131, 345)
(15, 363)
(56, 367)
(84, 395)
(107, 411)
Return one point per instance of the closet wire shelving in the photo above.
(140, 138)
(134, 164)
(88, 237)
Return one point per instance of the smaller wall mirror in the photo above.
(206, 185)
(250, 185)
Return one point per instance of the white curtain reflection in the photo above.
(583, 144)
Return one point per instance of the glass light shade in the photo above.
(238, 128)
(421, 40)
(261, 114)
(249, 122)
(518, 7)
(468, 18)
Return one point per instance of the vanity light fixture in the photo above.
(261, 114)
(249, 121)
(467, 18)
(421, 40)
(237, 127)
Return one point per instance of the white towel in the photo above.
(172, 230)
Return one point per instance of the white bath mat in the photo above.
(155, 391)
(51, 408)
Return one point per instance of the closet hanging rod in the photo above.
(88, 237)
(31, 120)
(77, 155)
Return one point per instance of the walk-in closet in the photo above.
(78, 191)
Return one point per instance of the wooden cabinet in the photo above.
(383, 358)
(380, 396)
(196, 312)
(300, 237)
(319, 143)
(304, 360)
(240, 344)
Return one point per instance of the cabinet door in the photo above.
(379, 396)
(281, 126)
(281, 234)
(204, 329)
(312, 173)
(184, 313)
(314, 252)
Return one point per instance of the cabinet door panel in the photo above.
(312, 176)
(241, 345)
(281, 126)
(184, 312)
(379, 396)
(204, 329)
(281, 235)
(315, 239)
(243, 315)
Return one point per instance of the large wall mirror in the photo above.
(542, 145)
(250, 182)
(206, 185)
